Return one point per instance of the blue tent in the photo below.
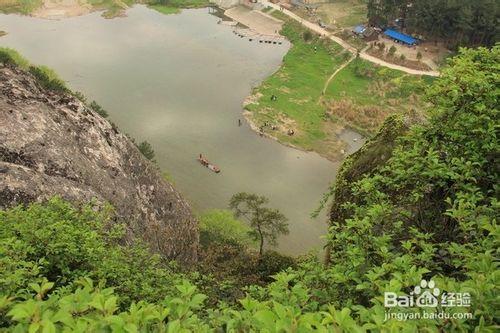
(400, 37)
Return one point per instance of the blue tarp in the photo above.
(359, 29)
(400, 36)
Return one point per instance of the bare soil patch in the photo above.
(57, 9)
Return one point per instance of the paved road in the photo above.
(316, 28)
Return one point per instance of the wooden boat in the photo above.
(207, 164)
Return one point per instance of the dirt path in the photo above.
(316, 28)
(327, 83)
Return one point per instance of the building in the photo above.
(400, 37)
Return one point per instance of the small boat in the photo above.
(209, 165)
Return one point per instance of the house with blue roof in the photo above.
(400, 37)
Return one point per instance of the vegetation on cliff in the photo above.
(426, 210)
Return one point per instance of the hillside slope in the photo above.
(52, 144)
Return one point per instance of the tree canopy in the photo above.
(458, 22)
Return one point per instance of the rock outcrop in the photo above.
(52, 144)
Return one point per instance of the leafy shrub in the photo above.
(48, 78)
(64, 243)
(220, 226)
(307, 35)
(99, 109)
(392, 50)
(146, 150)
(11, 57)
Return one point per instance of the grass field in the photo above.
(343, 13)
(298, 87)
(362, 95)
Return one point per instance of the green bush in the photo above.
(11, 57)
(99, 109)
(146, 150)
(220, 226)
(48, 79)
(63, 243)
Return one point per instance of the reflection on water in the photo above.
(178, 81)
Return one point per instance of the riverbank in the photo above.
(58, 9)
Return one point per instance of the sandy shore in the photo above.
(255, 20)
(57, 9)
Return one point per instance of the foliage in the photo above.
(307, 35)
(19, 6)
(11, 57)
(100, 110)
(220, 226)
(146, 150)
(48, 78)
(430, 210)
(174, 6)
(267, 223)
(63, 243)
(460, 22)
(392, 50)
(45, 76)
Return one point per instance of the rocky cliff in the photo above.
(52, 144)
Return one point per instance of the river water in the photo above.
(178, 81)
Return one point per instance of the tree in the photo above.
(147, 150)
(419, 55)
(99, 109)
(266, 223)
(392, 50)
(381, 46)
(308, 36)
(458, 22)
(220, 226)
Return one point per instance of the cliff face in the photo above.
(52, 144)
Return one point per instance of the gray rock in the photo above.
(52, 144)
